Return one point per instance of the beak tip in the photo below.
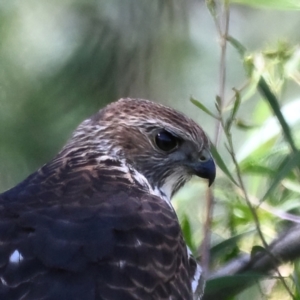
(212, 176)
(207, 170)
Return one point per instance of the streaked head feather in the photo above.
(125, 130)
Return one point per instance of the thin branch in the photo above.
(222, 26)
(224, 23)
(249, 204)
(205, 246)
(285, 248)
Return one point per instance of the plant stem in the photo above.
(249, 204)
(222, 28)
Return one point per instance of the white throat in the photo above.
(163, 192)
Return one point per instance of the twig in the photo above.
(286, 248)
(223, 33)
(230, 148)
(256, 220)
(224, 23)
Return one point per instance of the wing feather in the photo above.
(89, 233)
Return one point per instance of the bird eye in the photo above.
(166, 141)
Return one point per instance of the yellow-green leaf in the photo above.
(202, 107)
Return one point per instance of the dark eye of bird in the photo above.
(166, 141)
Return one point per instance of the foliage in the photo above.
(63, 60)
(258, 188)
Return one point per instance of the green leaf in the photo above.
(218, 100)
(274, 103)
(214, 285)
(211, 5)
(221, 163)
(228, 125)
(227, 244)
(187, 232)
(237, 104)
(241, 124)
(217, 107)
(269, 131)
(288, 164)
(257, 249)
(271, 4)
(234, 111)
(253, 168)
(291, 185)
(202, 107)
(237, 45)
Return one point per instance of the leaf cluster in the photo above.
(258, 187)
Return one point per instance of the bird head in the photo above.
(163, 145)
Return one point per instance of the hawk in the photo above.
(96, 222)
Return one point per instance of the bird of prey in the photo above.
(96, 222)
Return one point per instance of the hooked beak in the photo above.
(205, 169)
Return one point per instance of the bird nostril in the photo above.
(204, 155)
(203, 158)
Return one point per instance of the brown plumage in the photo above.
(96, 222)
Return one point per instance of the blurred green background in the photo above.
(61, 61)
